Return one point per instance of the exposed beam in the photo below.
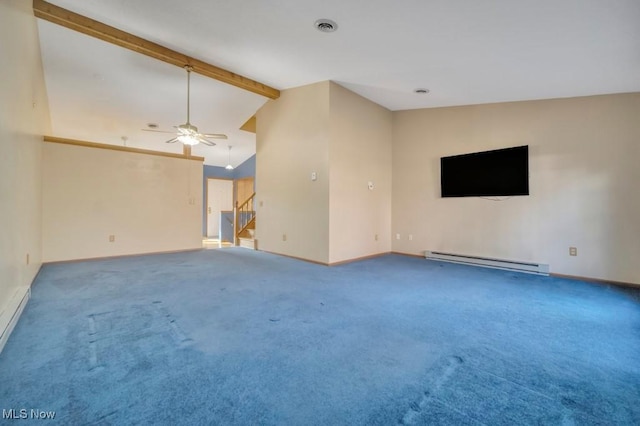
(88, 26)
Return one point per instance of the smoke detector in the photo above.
(326, 25)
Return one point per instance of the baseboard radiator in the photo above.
(486, 262)
(9, 317)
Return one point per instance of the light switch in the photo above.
(314, 176)
(370, 184)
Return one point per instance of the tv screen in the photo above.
(501, 172)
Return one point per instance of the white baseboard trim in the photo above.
(10, 316)
(487, 262)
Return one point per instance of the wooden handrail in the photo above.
(245, 201)
(244, 216)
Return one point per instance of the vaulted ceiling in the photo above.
(463, 51)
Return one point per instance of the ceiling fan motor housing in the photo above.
(190, 128)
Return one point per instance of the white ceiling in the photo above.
(463, 51)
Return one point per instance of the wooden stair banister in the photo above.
(244, 217)
(247, 226)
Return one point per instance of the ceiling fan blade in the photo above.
(215, 135)
(206, 141)
(157, 131)
(174, 140)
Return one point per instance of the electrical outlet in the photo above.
(410, 237)
(573, 251)
(112, 238)
(284, 237)
(397, 236)
(314, 176)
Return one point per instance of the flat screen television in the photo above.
(501, 172)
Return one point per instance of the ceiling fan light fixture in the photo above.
(188, 140)
(187, 133)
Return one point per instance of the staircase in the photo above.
(245, 224)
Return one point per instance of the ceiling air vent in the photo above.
(326, 25)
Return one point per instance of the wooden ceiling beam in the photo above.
(66, 18)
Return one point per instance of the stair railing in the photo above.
(245, 213)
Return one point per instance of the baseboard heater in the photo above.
(9, 317)
(487, 262)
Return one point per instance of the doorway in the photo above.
(220, 209)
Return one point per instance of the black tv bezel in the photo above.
(525, 191)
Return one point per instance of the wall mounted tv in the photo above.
(501, 172)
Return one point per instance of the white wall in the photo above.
(292, 141)
(359, 152)
(149, 203)
(346, 140)
(24, 117)
(584, 184)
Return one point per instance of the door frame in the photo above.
(206, 200)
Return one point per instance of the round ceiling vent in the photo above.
(326, 25)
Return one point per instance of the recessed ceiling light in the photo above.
(421, 91)
(326, 25)
(152, 125)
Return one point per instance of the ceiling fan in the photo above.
(187, 133)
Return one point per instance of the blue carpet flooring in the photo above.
(237, 337)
